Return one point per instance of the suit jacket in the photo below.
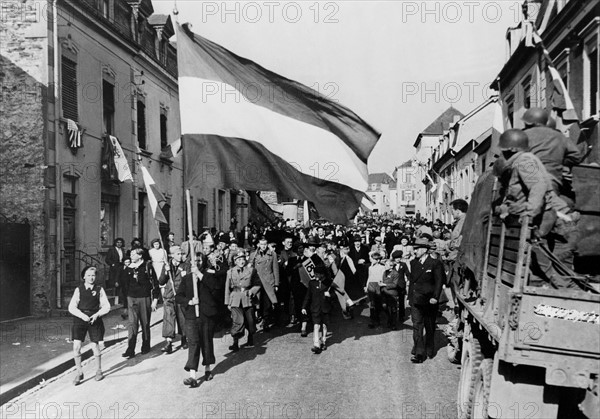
(177, 273)
(404, 275)
(315, 299)
(139, 282)
(112, 256)
(425, 280)
(287, 262)
(241, 287)
(209, 295)
(362, 253)
(267, 267)
(391, 279)
(390, 241)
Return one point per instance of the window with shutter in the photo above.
(69, 89)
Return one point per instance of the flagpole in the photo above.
(191, 241)
(162, 245)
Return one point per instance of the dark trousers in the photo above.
(391, 298)
(423, 318)
(242, 318)
(200, 332)
(173, 320)
(139, 310)
(298, 295)
(374, 295)
(283, 295)
(266, 308)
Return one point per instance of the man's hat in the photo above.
(357, 238)
(423, 241)
(240, 254)
(312, 241)
(378, 238)
(397, 254)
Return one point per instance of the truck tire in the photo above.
(482, 390)
(471, 362)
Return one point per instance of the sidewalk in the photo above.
(37, 349)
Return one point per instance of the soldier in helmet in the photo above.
(552, 148)
(526, 190)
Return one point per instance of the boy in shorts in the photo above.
(88, 304)
(318, 301)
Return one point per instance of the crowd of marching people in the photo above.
(279, 274)
(276, 275)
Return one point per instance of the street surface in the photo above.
(363, 374)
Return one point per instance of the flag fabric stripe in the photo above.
(154, 196)
(560, 98)
(223, 162)
(245, 127)
(276, 132)
(245, 80)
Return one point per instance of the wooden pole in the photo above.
(191, 241)
(162, 245)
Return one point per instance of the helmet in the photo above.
(535, 116)
(513, 139)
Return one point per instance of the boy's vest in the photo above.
(89, 300)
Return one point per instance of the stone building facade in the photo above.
(108, 68)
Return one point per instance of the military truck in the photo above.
(525, 351)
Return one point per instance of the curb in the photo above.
(55, 371)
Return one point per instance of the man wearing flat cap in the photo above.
(426, 279)
(241, 286)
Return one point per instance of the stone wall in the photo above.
(23, 132)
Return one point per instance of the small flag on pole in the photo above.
(123, 171)
(154, 196)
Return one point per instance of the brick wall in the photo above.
(23, 132)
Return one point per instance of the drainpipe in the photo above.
(58, 174)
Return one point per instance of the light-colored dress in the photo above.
(159, 259)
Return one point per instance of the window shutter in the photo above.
(69, 89)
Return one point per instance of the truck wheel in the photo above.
(482, 390)
(471, 362)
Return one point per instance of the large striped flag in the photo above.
(155, 197)
(245, 127)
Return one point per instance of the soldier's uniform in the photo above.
(241, 286)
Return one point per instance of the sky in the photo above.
(397, 64)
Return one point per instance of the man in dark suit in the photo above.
(359, 253)
(426, 279)
(114, 259)
(392, 239)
